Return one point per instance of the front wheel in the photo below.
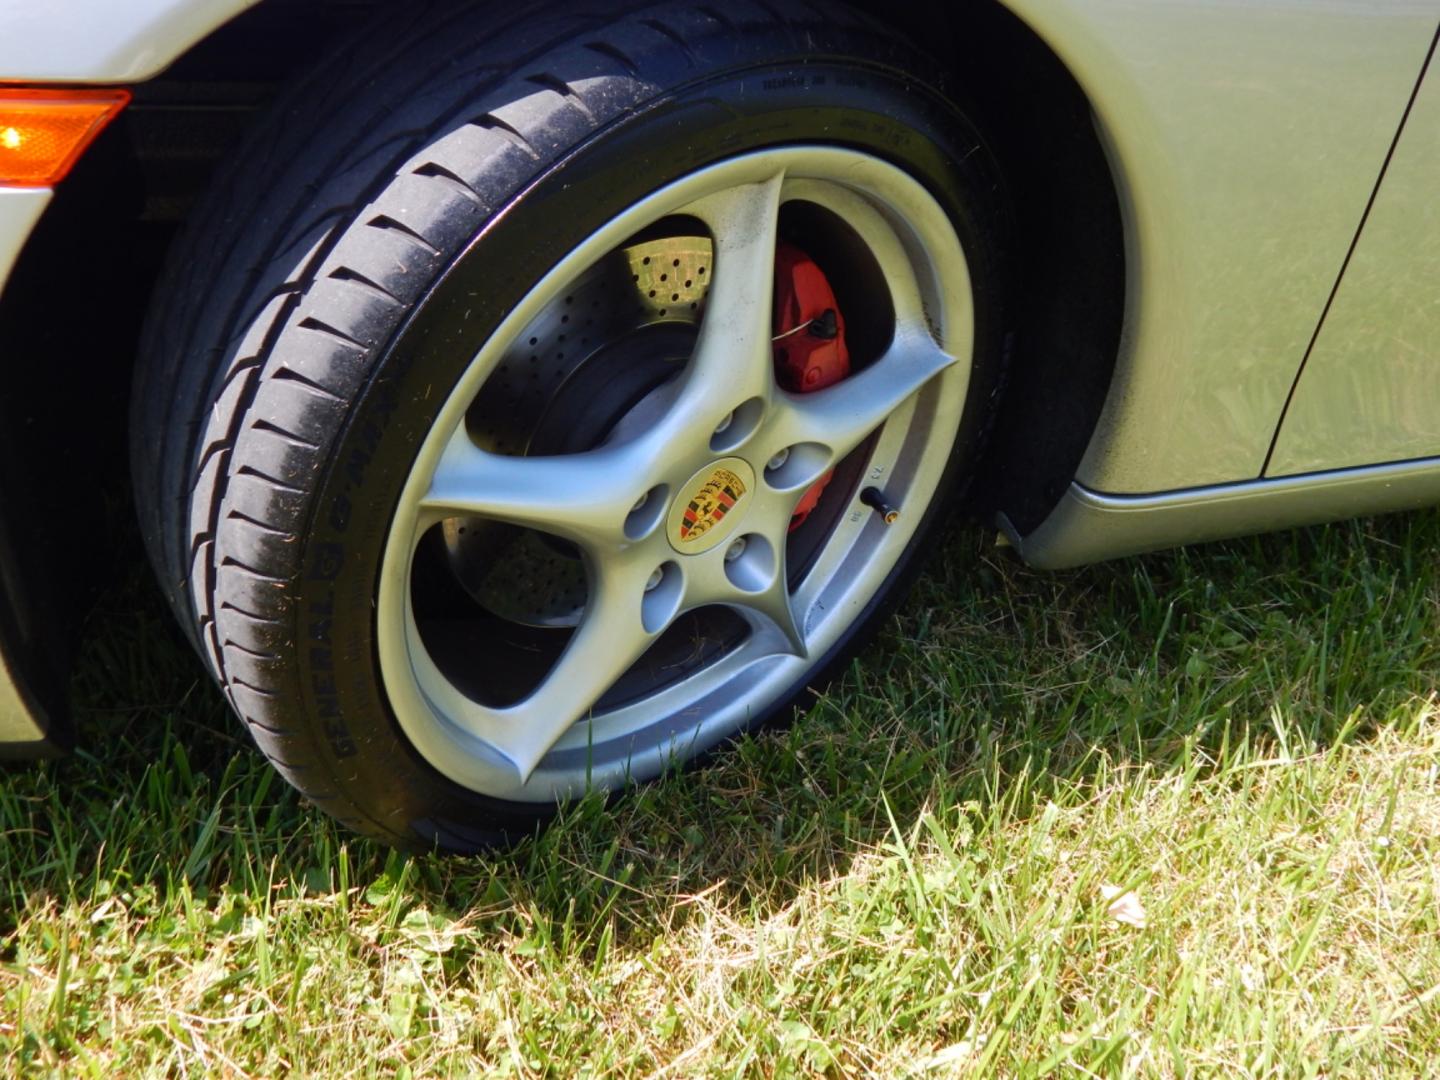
(573, 399)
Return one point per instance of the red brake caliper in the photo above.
(810, 350)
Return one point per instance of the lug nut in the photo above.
(729, 419)
(655, 579)
(735, 550)
(781, 456)
(640, 502)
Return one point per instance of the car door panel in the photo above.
(1370, 391)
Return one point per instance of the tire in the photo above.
(338, 354)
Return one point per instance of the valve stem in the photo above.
(874, 498)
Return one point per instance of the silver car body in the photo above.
(1274, 162)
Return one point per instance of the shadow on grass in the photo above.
(996, 685)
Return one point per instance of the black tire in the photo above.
(293, 361)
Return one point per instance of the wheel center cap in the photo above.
(709, 506)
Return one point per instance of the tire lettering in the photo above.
(329, 561)
(329, 558)
(322, 662)
(340, 513)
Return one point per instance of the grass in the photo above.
(911, 881)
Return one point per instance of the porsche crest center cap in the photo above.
(709, 505)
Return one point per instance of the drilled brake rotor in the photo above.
(576, 371)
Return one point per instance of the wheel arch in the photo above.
(1070, 258)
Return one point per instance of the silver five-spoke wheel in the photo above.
(614, 480)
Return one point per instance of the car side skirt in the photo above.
(1090, 526)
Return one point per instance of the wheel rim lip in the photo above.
(642, 739)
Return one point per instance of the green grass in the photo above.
(908, 882)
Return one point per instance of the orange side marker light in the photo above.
(43, 132)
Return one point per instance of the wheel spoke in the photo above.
(758, 593)
(772, 622)
(610, 638)
(842, 416)
(582, 497)
(733, 360)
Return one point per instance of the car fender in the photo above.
(103, 41)
(1245, 137)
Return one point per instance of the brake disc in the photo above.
(575, 372)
